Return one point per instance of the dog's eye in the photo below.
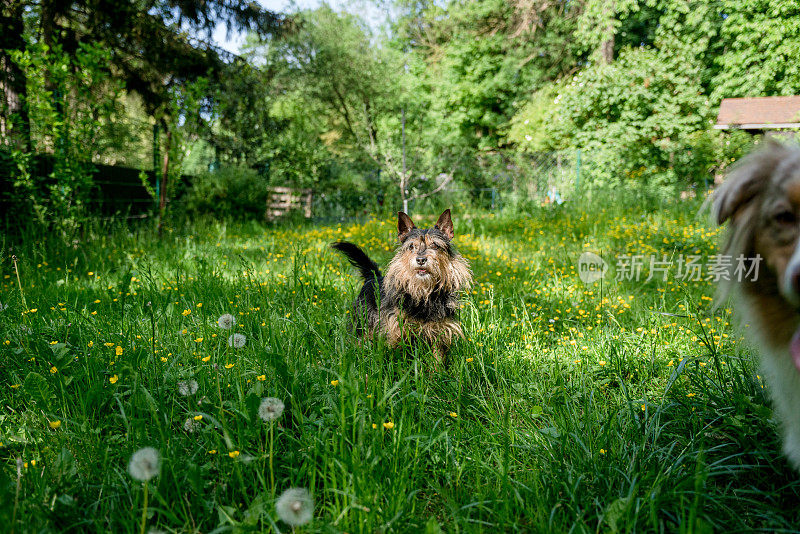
(785, 217)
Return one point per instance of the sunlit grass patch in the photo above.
(616, 404)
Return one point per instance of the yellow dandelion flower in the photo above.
(198, 417)
(453, 415)
(334, 383)
(388, 425)
(53, 370)
(261, 378)
(113, 379)
(54, 424)
(186, 312)
(602, 451)
(469, 360)
(118, 351)
(233, 454)
(206, 358)
(228, 365)
(198, 340)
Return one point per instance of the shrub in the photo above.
(230, 192)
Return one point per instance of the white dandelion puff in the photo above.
(145, 464)
(191, 425)
(187, 387)
(226, 321)
(295, 506)
(270, 409)
(237, 341)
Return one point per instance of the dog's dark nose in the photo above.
(422, 260)
(795, 278)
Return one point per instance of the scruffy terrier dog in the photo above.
(417, 300)
(761, 202)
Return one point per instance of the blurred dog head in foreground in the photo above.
(760, 200)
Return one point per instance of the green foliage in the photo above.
(298, 155)
(490, 59)
(636, 114)
(227, 193)
(530, 128)
(762, 41)
(69, 98)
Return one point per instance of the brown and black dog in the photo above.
(761, 202)
(417, 300)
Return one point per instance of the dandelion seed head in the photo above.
(145, 464)
(227, 321)
(237, 341)
(187, 387)
(270, 409)
(191, 425)
(295, 506)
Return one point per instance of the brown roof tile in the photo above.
(759, 110)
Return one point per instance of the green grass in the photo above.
(616, 406)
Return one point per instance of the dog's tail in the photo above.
(357, 257)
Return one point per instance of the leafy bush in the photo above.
(644, 117)
(230, 192)
(66, 96)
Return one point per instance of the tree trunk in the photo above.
(607, 46)
(14, 119)
(607, 49)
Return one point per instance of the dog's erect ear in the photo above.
(749, 176)
(404, 225)
(445, 224)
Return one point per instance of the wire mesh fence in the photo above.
(490, 182)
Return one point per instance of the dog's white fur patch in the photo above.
(782, 378)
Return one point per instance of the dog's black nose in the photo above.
(421, 260)
(795, 278)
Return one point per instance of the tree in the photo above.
(761, 41)
(368, 94)
(14, 122)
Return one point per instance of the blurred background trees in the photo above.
(455, 92)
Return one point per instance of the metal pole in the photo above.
(403, 180)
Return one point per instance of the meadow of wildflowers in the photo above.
(205, 381)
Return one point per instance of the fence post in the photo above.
(155, 161)
(578, 171)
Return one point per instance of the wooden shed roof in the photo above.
(759, 113)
